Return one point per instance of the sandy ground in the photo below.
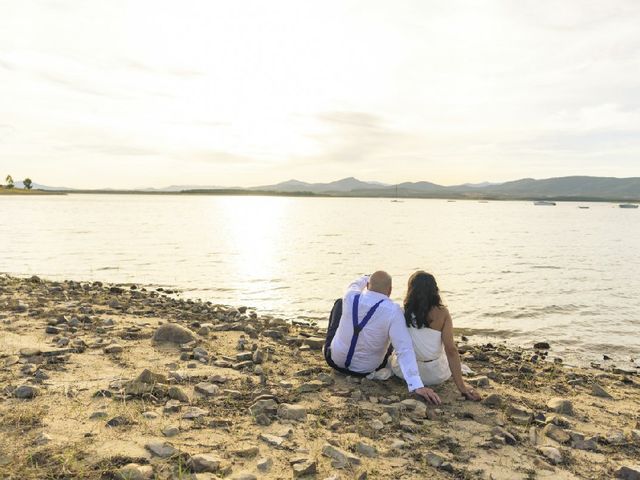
(86, 392)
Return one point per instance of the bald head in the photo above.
(380, 282)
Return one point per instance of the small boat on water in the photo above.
(545, 203)
(628, 205)
(583, 207)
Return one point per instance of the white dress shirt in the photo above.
(386, 325)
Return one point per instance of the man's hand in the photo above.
(429, 395)
(471, 394)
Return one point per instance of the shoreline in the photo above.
(473, 197)
(245, 395)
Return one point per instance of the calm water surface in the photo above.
(507, 269)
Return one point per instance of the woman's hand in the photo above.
(470, 394)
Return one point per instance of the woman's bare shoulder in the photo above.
(438, 317)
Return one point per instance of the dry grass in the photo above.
(22, 418)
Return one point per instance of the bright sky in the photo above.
(135, 93)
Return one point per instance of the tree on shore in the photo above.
(28, 184)
(9, 181)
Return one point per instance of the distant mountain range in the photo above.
(577, 187)
(561, 188)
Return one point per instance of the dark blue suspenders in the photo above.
(357, 327)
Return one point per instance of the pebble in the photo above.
(26, 392)
(366, 450)
(552, 454)
(176, 393)
(244, 476)
(340, 457)
(272, 440)
(481, 382)
(247, 452)
(194, 412)
(292, 412)
(434, 459)
(42, 439)
(150, 415)
(264, 464)
(204, 462)
(133, 471)
(161, 449)
(264, 407)
(493, 400)
(556, 433)
(598, 391)
(629, 472)
(310, 387)
(170, 431)
(113, 348)
(207, 389)
(560, 405)
(305, 468)
(173, 333)
(519, 415)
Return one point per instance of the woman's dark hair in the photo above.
(422, 296)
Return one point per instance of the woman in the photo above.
(431, 329)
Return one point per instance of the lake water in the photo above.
(509, 270)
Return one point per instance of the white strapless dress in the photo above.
(432, 360)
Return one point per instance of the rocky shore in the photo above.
(122, 382)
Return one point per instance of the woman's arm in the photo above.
(453, 357)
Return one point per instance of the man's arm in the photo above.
(358, 285)
(403, 346)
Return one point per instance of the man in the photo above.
(359, 333)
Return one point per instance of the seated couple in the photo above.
(368, 331)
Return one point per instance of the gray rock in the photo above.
(552, 454)
(173, 333)
(133, 471)
(176, 393)
(560, 405)
(493, 400)
(305, 468)
(272, 440)
(435, 460)
(247, 451)
(113, 348)
(629, 472)
(258, 356)
(556, 433)
(292, 412)
(204, 463)
(170, 431)
(244, 476)
(26, 392)
(616, 438)
(314, 343)
(194, 412)
(99, 415)
(264, 407)
(43, 439)
(481, 382)
(340, 458)
(207, 389)
(264, 464)
(504, 434)
(519, 414)
(150, 378)
(310, 387)
(598, 391)
(161, 449)
(366, 450)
